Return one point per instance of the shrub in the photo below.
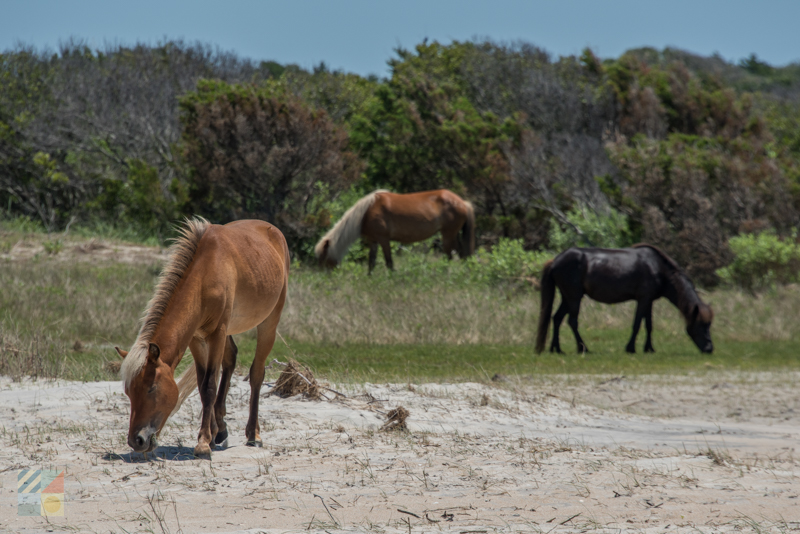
(506, 262)
(588, 228)
(254, 152)
(762, 260)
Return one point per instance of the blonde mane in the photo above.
(347, 230)
(181, 255)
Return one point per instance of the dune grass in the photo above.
(429, 320)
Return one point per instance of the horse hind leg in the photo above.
(373, 256)
(555, 344)
(574, 310)
(386, 245)
(266, 334)
(220, 410)
(450, 244)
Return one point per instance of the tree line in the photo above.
(676, 149)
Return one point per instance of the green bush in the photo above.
(762, 260)
(507, 262)
(596, 230)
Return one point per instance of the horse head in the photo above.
(322, 256)
(699, 327)
(153, 394)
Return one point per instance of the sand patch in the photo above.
(475, 458)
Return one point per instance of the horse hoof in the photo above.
(202, 450)
(254, 443)
(220, 437)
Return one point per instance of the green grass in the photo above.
(430, 320)
(456, 363)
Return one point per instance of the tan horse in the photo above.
(381, 217)
(218, 281)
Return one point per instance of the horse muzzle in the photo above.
(144, 440)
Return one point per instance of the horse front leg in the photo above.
(207, 386)
(555, 344)
(648, 326)
(220, 409)
(637, 323)
(373, 256)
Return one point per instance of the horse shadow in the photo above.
(174, 453)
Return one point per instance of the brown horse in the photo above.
(642, 273)
(218, 281)
(381, 217)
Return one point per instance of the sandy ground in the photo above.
(565, 454)
(85, 250)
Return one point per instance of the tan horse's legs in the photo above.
(228, 366)
(450, 243)
(387, 254)
(386, 245)
(266, 339)
(207, 386)
(373, 256)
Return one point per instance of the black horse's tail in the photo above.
(548, 288)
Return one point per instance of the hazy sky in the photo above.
(360, 36)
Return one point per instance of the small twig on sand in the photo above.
(409, 513)
(326, 509)
(564, 522)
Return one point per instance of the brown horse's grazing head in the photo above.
(698, 326)
(322, 255)
(151, 387)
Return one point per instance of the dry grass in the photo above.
(51, 304)
(396, 419)
(367, 311)
(296, 379)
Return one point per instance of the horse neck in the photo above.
(681, 293)
(178, 325)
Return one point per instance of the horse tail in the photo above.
(548, 287)
(187, 383)
(344, 233)
(468, 232)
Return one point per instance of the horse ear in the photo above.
(122, 353)
(153, 352)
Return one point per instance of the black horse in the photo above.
(642, 273)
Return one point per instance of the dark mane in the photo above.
(683, 284)
(663, 255)
(181, 255)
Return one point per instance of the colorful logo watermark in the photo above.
(40, 492)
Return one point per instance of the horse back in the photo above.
(413, 217)
(243, 269)
(610, 275)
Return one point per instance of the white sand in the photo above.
(565, 454)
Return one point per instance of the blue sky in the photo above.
(360, 36)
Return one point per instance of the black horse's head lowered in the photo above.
(698, 326)
(642, 273)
